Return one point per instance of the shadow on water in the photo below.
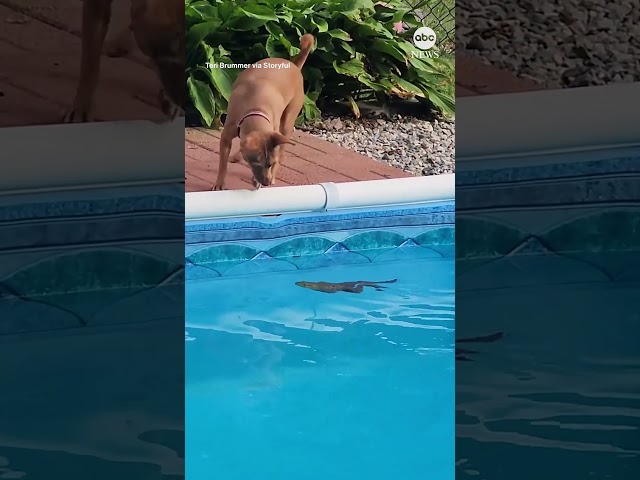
(461, 352)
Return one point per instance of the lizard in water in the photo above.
(349, 287)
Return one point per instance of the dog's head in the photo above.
(259, 150)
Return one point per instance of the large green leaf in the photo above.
(220, 78)
(339, 34)
(389, 47)
(261, 12)
(352, 68)
(201, 10)
(354, 6)
(408, 87)
(321, 24)
(202, 30)
(202, 98)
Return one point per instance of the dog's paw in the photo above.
(217, 188)
(76, 115)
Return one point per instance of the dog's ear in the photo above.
(278, 139)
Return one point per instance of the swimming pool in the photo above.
(285, 381)
(548, 252)
(91, 313)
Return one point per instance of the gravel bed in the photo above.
(421, 147)
(561, 43)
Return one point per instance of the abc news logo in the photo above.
(424, 38)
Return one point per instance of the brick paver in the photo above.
(476, 78)
(39, 63)
(465, 92)
(309, 161)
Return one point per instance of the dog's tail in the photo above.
(306, 45)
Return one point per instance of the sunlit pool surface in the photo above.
(285, 382)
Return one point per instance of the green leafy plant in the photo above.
(358, 55)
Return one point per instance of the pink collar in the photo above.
(250, 114)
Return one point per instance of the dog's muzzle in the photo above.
(261, 180)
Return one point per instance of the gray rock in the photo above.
(416, 146)
(476, 43)
(543, 40)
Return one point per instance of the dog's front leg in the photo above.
(225, 150)
(287, 125)
(96, 15)
(276, 165)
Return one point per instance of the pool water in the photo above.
(284, 382)
(548, 253)
(561, 387)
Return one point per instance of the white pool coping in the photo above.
(322, 197)
(494, 126)
(78, 156)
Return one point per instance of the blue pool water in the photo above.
(91, 307)
(561, 387)
(547, 252)
(284, 382)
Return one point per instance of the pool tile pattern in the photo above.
(82, 258)
(583, 207)
(308, 241)
(309, 252)
(626, 164)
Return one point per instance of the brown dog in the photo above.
(265, 101)
(157, 26)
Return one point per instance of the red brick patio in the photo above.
(309, 161)
(476, 78)
(39, 63)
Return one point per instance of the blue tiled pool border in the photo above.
(576, 204)
(304, 241)
(621, 162)
(287, 225)
(90, 240)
